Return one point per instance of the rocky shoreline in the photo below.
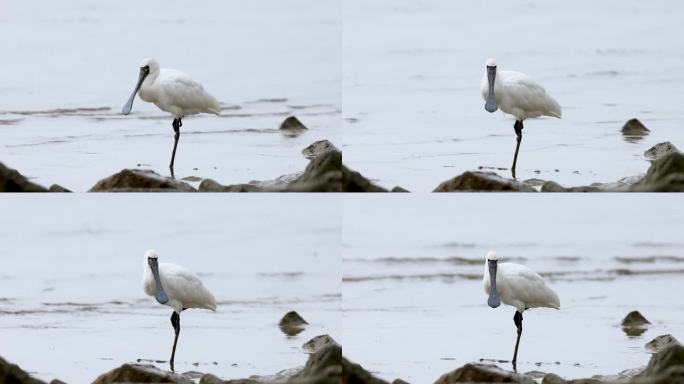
(327, 173)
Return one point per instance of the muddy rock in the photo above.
(399, 189)
(661, 342)
(552, 186)
(317, 148)
(322, 367)
(57, 381)
(13, 181)
(209, 185)
(668, 363)
(353, 373)
(57, 188)
(211, 379)
(666, 174)
(326, 173)
(136, 180)
(660, 150)
(635, 319)
(138, 373)
(292, 324)
(399, 381)
(317, 343)
(11, 373)
(478, 181)
(552, 378)
(483, 373)
(634, 130)
(292, 126)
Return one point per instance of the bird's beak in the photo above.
(490, 104)
(494, 300)
(129, 104)
(160, 295)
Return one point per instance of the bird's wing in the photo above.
(186, 287)
(530, 95)
(529, 287)
(181, 90)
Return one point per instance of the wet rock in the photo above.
(552, 186)
(483, 373)
(323, 367)
(661, 342)
(399, 189)
(317, 343)
(660, 150)
(209, 185)
(137, 373)
(477, 181)
(552, 378)
(13, 181)
(326, 173)
(292, 126)
(135, 180)
(211, 379)
(292, 323)
(662, 362)
(634, 319)
(57, 188)
(11, 373)
(400, 381)
(57, 381)
(633, 130)
(666, 174)
(317, 148)
(353, 373)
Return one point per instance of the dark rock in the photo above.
(635, 319)
(483, 373)
(211, 379)
(478, 181)
(353, 373)
(317, 148)
(661, 342)
(399, 189)
(292, 124)
(209, 185)
(400, 381)
(292, 324)
(135, 180)
(57, 188)
(11, 373)
(660, 150)
(552, 378)
(317, 343)
(326, 173)
(13, 181)
(57, 381)
(138, 373)
(661, 362)
(552, 186)
(633, 130)
(322, 367)
(666, 174)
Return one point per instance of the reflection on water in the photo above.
(414, 306)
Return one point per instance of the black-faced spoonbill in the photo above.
(176, 287)
(174, 92)
(518, 286)
(516, 94)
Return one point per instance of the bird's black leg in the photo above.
(517, 319)
(176, 127)
(175, 321)
(518, 126)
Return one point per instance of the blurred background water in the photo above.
(71, 299)
(69, 67)
(414, 306)
(413, 111)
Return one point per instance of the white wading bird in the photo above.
(176, 287)
(518, 95)
(174, 92)
(518, 286)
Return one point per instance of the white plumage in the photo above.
(183, 288)
(521, 287)
(518, 95)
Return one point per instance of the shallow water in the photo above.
(71, 301)
(414, 306)
(412, 71)
(263, 61)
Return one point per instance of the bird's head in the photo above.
(491, 63)
(149, 65)
(491, 256)
(151, 257)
